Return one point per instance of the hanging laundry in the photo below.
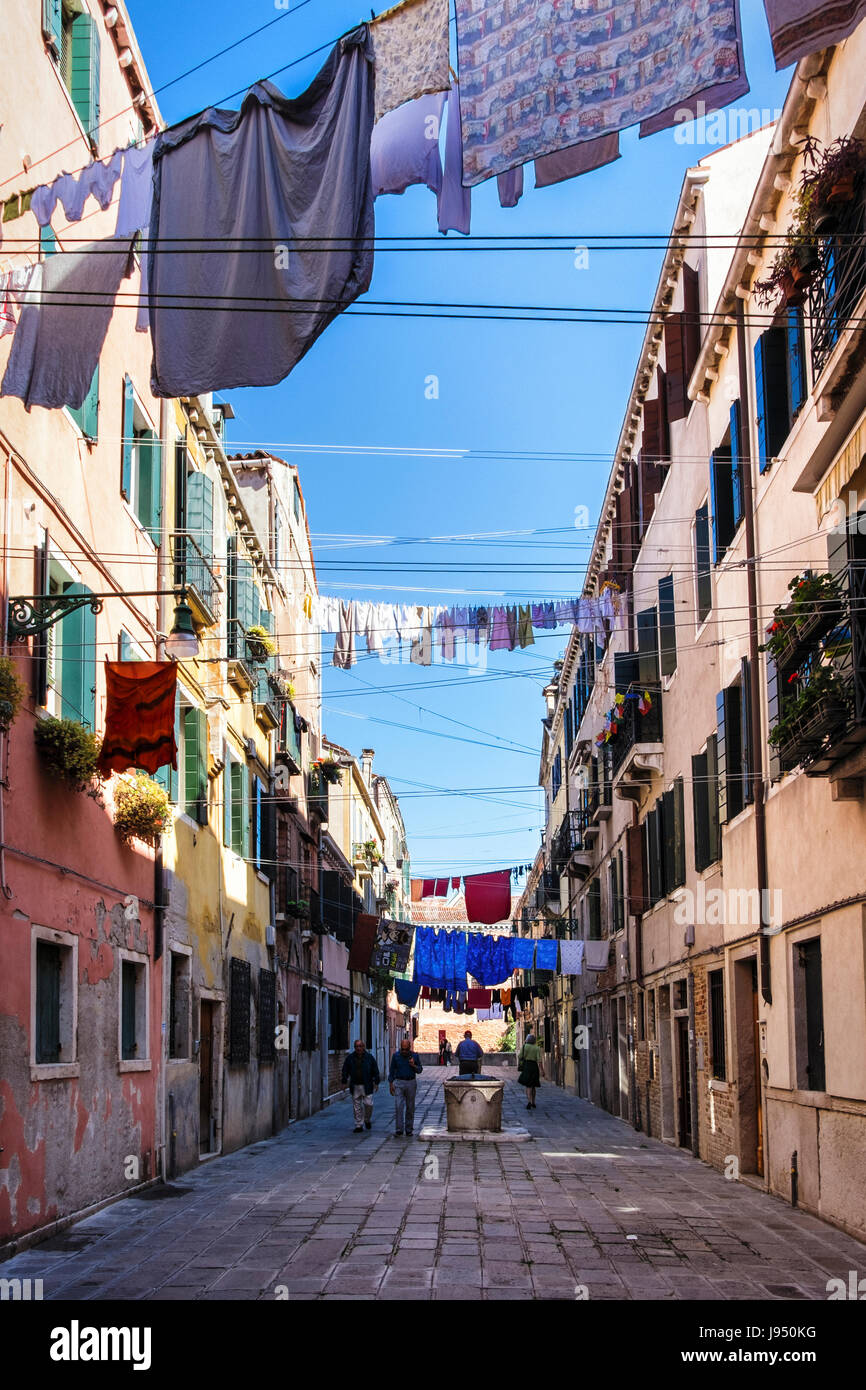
(56, 348)
(428, 888)
(136, 189)
(363, 942)
(311, 158)
(489, 959)
(510, 187)
(72, 191)
(546, 953)
(455, 201)
(441, 888)
(407, 992)
(576, 160)
(571, 957)
(488, 896)
(410, 50)
(139, 716)
(344, 646)
(421, 653)
(440, 958)
(13, 284)
(600, 72)
(798, 27)
(404, 149)
(596, 954)
(500, 637)
(525, 635)
(415, 890)
(523, 952)
(478, 998)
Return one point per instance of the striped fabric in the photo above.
(139, 722)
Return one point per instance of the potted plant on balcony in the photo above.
(815, 608)
(12, 693)
(820, 710)
(792, 270)
(371, 852)
(298, 907)
(142, 810)
(260, 643)
(830, 180)
(329, 769)
(70, 753)
(281, 686)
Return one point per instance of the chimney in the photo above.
(367, 756)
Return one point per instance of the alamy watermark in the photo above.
(720, 127)
(714, 907)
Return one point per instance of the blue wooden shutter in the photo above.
(721, 757)
(737, 466)
(771, 394)
(796, 361)
(84, 70)
(127, 441)
(52, 23)
(78, 663)
(86, 416)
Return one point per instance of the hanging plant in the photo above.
(260, 643)
(298, 907)
(815, 607)
(12, 694)
(792, 270)
(829, 180)
(142, 810)
(329, 769)
(70, 752)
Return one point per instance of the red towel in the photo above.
(455, 884)
(488, 897)
(366, 927)
(441, 888)
(428, 888)
(478, 998)
(139, 719)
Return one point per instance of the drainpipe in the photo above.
(756, 771)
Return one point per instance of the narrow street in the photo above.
(322, 1213)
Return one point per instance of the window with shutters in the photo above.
(192, 760)
(141, 465)
(667, 627)
(73, 38)
(780, 383)
(556, 777)
(236, 808)
(133, 1041)
(54, 985)
(296, 495)
(682, 335)
(594, 909)
(267, 1015)
(716, 1005)
(69, 653)
(703, 565)
(239, 1011)
(809, 1015)
(309, 1019)
(86, 416)
(263, 828)
(733, 748)
(193, 540)
(179, 1005)
(338, 1023)
(705, 795)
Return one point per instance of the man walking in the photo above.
(405, 1066)
(361, 1075)
(469, 1055)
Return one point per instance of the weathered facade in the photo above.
(714, 845)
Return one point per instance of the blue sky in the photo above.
(519, 388)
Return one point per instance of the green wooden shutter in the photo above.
(647, 645)
(195, 764)
(700, 809)
(48, 967)
(713, 813)
(232, 609)
(199, 511)
(722, 756)
(227, 802)
(168, 776)
(84, 65)
(679, 814)
(52, 23)
(78, 663)
(668, 847)
(738, 505)
(127, 442)
(245, 812)
(150, 484)
(703, 562)
(86, 416)
(773, 712)
(667, 626)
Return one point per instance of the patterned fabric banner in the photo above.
(393, 946)
(410, 50)
(536, 76)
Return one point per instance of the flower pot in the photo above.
(256, 651)
(805, 261)
(842, 191)
(793, 293)
(826, 220)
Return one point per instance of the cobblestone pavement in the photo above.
(321, 1212)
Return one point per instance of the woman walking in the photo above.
(531, 1068)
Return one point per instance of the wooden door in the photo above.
(756, 1055)
(205, 1074)
(684, 1093)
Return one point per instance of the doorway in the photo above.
(684, 1089)
(205, 1077)
(748, 1053)
(666, 1062)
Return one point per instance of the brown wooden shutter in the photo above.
(692, 332)
(677, 401)
(636, 879)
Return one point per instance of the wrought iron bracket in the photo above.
(30, 616)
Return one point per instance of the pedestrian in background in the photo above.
(447, 1053)
(469, 1055)
(405, 1066)
(361, 1075)
(531, 1068)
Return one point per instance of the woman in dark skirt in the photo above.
(531, 1068)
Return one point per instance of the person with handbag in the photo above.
(531, 1062)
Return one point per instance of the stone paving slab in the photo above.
(320, 1213)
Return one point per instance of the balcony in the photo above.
(193, 570)
(637, 748)
(317, 796)
(548, 890)
(822, 723)
(288, 738)
(570, 852)
(839, 283)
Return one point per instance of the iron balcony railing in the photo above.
(568, 839)
(194, 571)
(839, 282)
(634, 728)
(288, 738)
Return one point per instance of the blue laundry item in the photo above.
(546, 955)
(405, 147)
(407, 992)
(489, 959)
(440, 959)
(522, 953)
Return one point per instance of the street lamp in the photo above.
(36, 613)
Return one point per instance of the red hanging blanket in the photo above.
(139, 720)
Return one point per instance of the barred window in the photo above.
(716, 995)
